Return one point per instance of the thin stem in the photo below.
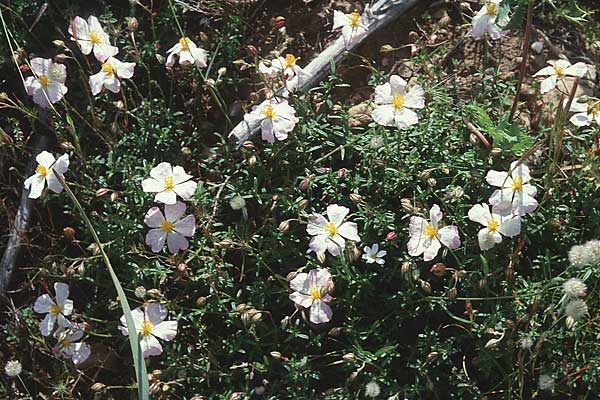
(515, 103)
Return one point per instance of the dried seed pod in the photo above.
(284, 226)
(69, 233)
(355, 198)
(425, 286)
(438, 269)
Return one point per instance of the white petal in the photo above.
(186, 226)
(449, 236)
(150, 346)
(62, 292)
(155, 238)
(548, 84)
(349, 231)
(318, 244)
(316, 225)
(510, 227)
(498, 178)
(384, 115)
(155, 313)
(303, 300)
(405, 117)
(43, 303)
(166, 197)
(415, 98)
(174, 212)
(176, 242)
(151, 185)
(432, 250)
(47, 324)
(480, 213)
(35, 184)
(300, 283)
(154, 217)
(320, 312)
(166, 330)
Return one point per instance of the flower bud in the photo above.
(391, 235)
(284, 226)
(278, 22)
(496, 152)
(251, 50)
(69, 233)
(341, 173)
(321, 258)
(67, 146)
(60, 58)
(257, 317)
(242, 307)
(432, 357)
(431, 182)
(302, 204)
(224, 244)
(248, 144)
(349, 357)
(482, 283)
(452, 293)
(58, 43)
(114, 196)
(276, 355)
(425, 286)
(355, 198)
(102, 191)
(474, 139)
(201, 301)
(182, 267)
(221, 71)
(291, 276)
(438, 269)
(98, 387)
(154, 293)
(132, 24)
(305, 183)
(406, 267)
(569, 322)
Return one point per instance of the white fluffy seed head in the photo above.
(574, 288)
(576, 309)
(372, 389)
(13, 368)
(578, 256)
(593, 251)
(546, 382)
(526, 343)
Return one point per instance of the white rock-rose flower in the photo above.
(47, 86)
(90, 36)
(331, 234)
(311, 291)
(150, 324)
(169, 182)
(44, 174)
(394, 103)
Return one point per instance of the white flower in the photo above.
(516, 193)
(55, 310)
(575, 310)
(495, 225)
(13, 368)
(574, 288)
(110, 75)
(427, 237)
(526, 343)
(585, 254)
(171, 227)
(374, 255)
(538, 47)
(586, 113)
(47, 86)
(44, 174)
(558, 70)
(485, 21)
(285, 68)
(187, 53)
(150, 324)
(393, 104)
(329, 235)
(311, 291)
(168, 183)
(593, 249)
(546, 382)
(372, 389)
(66, 346)
(353, 26)
(275, 118)
(90, 35)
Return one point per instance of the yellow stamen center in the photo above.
(493, 225)
(184, 44)
(43, 171)
(146, 328)
(95, 37)
(169, 183)
(354, 19)
(491, 8)
(517, 184)
(560, 71)
(290, 60)
(331, 229)
(167, 226)
(430, 231)
(55, 309)
(398, 101)
(107, 69)
(315, 293)
(65, 343)
(43, 80)
(268, 112)
(594, 109)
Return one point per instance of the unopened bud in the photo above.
(569, 322)
(102, 191)
(132, 24)
(474, 139)
(321, 258)
(140, 292)
(251, 50)
(302, 204)
(66, 146)
(482, 283)
(438, 269)
(278, 22)
(58, 43)
(221, 71)
(425, 286)
(284, 226)
(60, 58)
(98, 387)
(154, 293)
(391, 235)
(200, 301)
(225, 244)
(114, 196)
(452, 293)
(349, 357)
(431, 182)
(182, 267)
(355, 198)
(69, 233)
(248, 144)
(305, 183)
(341, 173)
(290, 276)
(432, 357)
(496, 152)
(276, 355)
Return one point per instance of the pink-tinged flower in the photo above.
(55, 310)
(187, 53)
(311, 291)
(427, 237)
(394, 104)
(150, 324)
(586, 112)
(558, 71)
(47, 86)
(171, 227)
(516, 193)
(285, 68)
(110, 75)
(66, 345)
(353, 26)
(275, 118)
(330, 234)
(44, 174)
(90, 35)
(168, 183)
(495, 225)
(485, 21)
